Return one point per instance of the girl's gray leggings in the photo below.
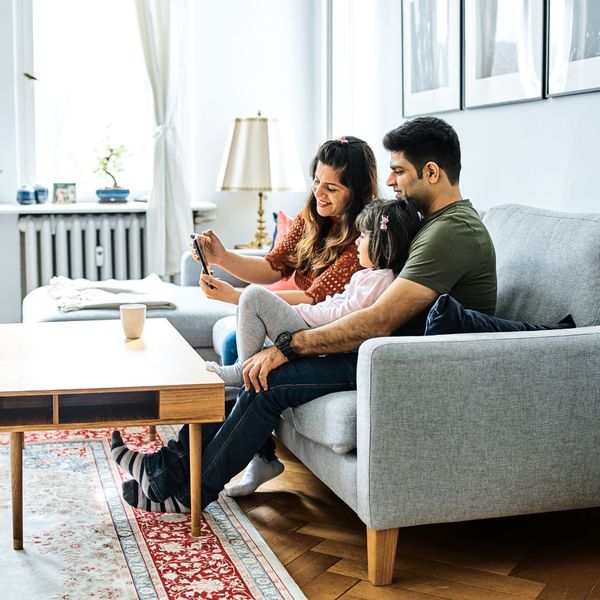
(261, 314)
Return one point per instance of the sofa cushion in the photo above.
(221, 329)
(194, 316)
(548, 264)
(329, 420)
(447, 315)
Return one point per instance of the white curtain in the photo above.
(169, 217)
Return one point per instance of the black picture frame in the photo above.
(431, 68)
(573, 47)
(503, 52)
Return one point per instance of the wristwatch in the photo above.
(283, 345)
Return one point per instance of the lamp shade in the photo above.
(260, 155)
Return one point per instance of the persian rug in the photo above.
(81, 540)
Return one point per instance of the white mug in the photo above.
(133, 317)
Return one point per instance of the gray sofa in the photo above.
(194, 317)
(467, 426)
(470, 426)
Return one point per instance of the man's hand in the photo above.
(258, 367)
(220, 290)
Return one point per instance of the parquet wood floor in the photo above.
(322, 543)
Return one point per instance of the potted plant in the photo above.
(109, 163)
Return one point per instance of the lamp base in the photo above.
(261, 239)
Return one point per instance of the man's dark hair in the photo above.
(427, 139)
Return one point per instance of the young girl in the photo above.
(387, 229)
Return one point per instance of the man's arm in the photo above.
(401, 302)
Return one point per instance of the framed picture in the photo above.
(573, 46)
(64, 193)
(503, 51)
(430, 56)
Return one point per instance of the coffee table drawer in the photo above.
(205, 405)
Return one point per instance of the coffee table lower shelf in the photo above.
(114, 408)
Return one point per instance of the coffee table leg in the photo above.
(152, 432)
(195, 475)
(16, 471)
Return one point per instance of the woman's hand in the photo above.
(213, 248)
(217, 289)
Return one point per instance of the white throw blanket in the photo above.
(76, 294)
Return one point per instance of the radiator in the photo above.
(96, 247)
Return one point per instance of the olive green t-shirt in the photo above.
(454, 254)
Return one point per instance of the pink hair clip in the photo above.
(384, 222)
(342, 140)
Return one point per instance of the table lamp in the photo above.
(260, 156)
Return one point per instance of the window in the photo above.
(91, 82)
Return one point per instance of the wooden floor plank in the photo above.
(328, 586)
(342, 550)
(365, 591)
(339, 534)
(322, 542)
(310, 565)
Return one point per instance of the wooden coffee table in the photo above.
(85, 374)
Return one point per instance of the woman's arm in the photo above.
(220, 290)
(254, 269)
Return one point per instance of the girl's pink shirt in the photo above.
(364, 288)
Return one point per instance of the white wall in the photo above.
(543, 153)
(253, 56)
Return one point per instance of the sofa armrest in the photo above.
(190, 272)
(471, 426)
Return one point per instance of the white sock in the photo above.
(213, 367)
(232, 375)
(257, 472)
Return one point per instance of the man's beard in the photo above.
(423, 204)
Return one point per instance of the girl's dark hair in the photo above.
(354, 161)
(391, 227)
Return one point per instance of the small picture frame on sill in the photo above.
(573, 47)
(430, 56)
(64, 193)
(503, 51)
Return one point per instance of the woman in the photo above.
(319, 251)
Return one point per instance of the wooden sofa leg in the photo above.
(381, 555)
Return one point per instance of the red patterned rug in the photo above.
(82, 541)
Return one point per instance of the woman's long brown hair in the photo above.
(320, 246)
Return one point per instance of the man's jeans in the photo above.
(228, 447)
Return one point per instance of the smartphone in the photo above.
(202, 259)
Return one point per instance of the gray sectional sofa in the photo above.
(466, 426)
(470, 426)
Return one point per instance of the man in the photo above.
(452, 254)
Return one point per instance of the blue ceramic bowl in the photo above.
(41, 193)
(112, 194)
(25, 196)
